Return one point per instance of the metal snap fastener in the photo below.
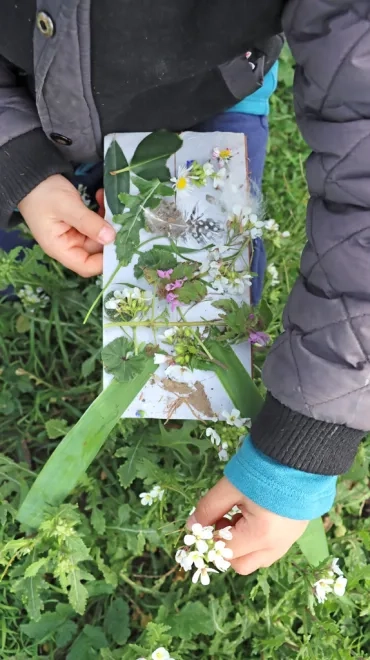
(61, 139)
(45, 24)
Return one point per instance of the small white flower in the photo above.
(159, 358)
(225, 533)
(178, 373)
(161, 654)
(223, 453)
(157, 492)
(213, 435)
(335, 568)
(285, 234)
(208, 169)
(322, 588)
(219, 556)
(171, 332)
(112, 304)
(219, 178)
(219, 283)
(233, 418)
(273, 271)
(182, 558)
(146, 499)
(203, 574)
(199, 537)
(197, 558)
(271, 225)
(340, 586)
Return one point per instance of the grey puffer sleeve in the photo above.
(27, 157)
(317, 372)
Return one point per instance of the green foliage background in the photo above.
(98, 580)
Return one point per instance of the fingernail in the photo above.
(191, 521)
(106, 235)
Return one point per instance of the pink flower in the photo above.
(259, 338)
(173, 300)
(165, 274)
(175, 285)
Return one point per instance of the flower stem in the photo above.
(163, 324)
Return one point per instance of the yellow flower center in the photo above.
(181, 183)
(225, 153)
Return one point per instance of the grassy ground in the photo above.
(98, 581)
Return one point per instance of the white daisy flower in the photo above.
(182, 182)
(203, 574)
(219, 556)
(213, 435)
(233, 418)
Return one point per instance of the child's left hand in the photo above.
(260, 537)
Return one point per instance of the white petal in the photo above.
(159, 358)
(196, 576)
(207, 532)
(202, 546)
(223, 455)
(340, 586)
(189, 539)
(204, 578)
(335, 568)
(225, 533)
(197, 529)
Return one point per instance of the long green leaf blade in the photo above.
(115, 184)
(80, 446)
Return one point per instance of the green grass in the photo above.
(117, 567)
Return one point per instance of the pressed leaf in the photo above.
(155, 259)
(313, 544)
(151, 155)
(77, 450)
(184, 269)
(193, 291)
(128, 240)
(115, 184)
(115, 361)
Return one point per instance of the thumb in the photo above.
(215, 504)
(90, 224)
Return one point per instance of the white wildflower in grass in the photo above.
(340, 586)
(154, 495)
(214, 437)
(146, 499)
(219, 556)
(161, 654)
(203, 574)
(233, 418)
(225, 533)
(273, 272)
(182, 182)
(271, 225)
(332, 582)
(199, 537)
(285, 234)
(223, 454)
(210, 548)
(33, 298)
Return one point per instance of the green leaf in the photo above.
(34, 568)
(193, 619)
(185, 269)
(65, 633)
(265, 313)
(226, 304)
(154, 259)
(128, 471)
(151, 155)
(115, 361)
(90, 639)
(360, 467)
(117, 621)
(77, 450)
(22, 324)
(49, 623)
(313, 544)
(55, 428)
(98, 520)
(128, 239)
(192, 291)
(32, 587)
(129, 201)
(115, 184)
(179, 439)
(88, 366)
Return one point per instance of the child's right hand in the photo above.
(64, 227)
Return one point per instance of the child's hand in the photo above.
(260, 537)
(64, 227)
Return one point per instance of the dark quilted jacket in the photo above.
(317, 373)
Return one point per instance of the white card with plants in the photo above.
(177, 280)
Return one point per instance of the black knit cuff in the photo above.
(25, 162)
(302, 442)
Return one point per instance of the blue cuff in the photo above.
(278, 488)
(258, 102)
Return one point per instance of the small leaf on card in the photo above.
(192, 291)
(115, 184)
(154, 259)
(119, 360)
(150, 158)
(128, 239)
